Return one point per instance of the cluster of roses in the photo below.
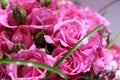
(44, 31)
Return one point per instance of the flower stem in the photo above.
(113, 41)
(108, 5)
(36, 64)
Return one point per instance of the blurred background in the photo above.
(111, 13)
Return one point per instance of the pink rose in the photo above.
(66, 33)
(115, 49)
(23, 35)
(96, 40)
(5, 44)
(94, 19)
(76, 63)
(18, 72)
(66, 12)
(103, 58)
(88, 17)
(41, 16)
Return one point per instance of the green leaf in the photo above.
(36, 64)
(74, 48)
(113, 41)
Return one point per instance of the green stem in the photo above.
(113, 41)
(36, 64)
(108, 5)
(74, 48)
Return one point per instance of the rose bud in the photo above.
(4, 3)
(19, 14)
(47, 2)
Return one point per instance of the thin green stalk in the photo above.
(113, 41)
(36, 64)
(108, 5)
(74, 48)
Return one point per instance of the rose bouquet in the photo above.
(55, 40)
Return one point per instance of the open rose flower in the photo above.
(66, 33)
(76, 63)
(88, 17)
(116, 54)
(17, 72)
(102, 60)
(41, 16)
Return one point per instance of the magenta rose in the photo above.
(23, 35)
(102, 60)
(18, 72)
(66, 33)
(41, 16)
(76, 63)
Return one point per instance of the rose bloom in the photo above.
(23, 35)
(115, 49)
(76, 63)
(18, 72)
(41, 16)
(66, 33)
(102, 60)
(88, 17)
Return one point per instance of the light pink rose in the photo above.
(76, 63)
(115, 49)
(94, 19)
(41, 16)
(103, 58)
(97, 40)
(66, 33)
(17, 72)
(5, 44)
(23, 35)
(88, 17)
(66, 12)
